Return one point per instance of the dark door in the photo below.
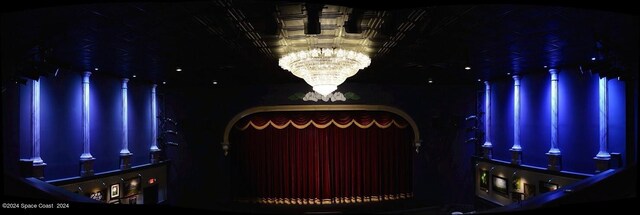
(150, 194)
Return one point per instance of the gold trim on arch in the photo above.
(280, 108)
(321, 126)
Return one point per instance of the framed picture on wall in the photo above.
(547, 187)
(529, 190)
(516, 185)
(484, 180)
(132, 186)
(500, 185)
(100, 195)
(114, 191)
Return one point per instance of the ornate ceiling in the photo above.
(240, 41)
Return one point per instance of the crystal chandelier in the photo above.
(324, 69)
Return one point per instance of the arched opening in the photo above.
(321, 156)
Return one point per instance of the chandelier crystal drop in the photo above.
(324, 69)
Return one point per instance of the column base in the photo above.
(516, 156)
(125, 161)
(38, 170)
(602, 164)
(154, 156)
(29, 169)
(555, 162)
(86, 167)
(486, 152)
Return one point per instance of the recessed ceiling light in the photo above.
(545, 67)
(215, 82)
(467, 68)
(618, 78)
(508, 73)
(479, 80)
(134, 76)
(96, 69)
(430, 81)
(164, 82)
(593, 58)
(178, 69)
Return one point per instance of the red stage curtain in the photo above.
(323, 163)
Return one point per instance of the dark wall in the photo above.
(11, 127)
(578, 119)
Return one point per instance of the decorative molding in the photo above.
(318, 125)
(225, 142)
(333, 97)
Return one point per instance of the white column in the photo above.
(35, 123)
(602, 89)
(516, 113)
(86, 154)
(487, 119)
(554, 113)
(154, 120)
(125, 127)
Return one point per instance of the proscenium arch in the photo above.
(279, 108)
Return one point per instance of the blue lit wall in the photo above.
(106, 121)
(61, 123)
(578, 119)
(535, 118)
(502, 118)
(139, 121)
(617, 117)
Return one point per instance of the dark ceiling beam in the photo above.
(353, 25)
(313, 18)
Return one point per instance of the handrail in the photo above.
(37, 189)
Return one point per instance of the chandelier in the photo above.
(324, 69)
